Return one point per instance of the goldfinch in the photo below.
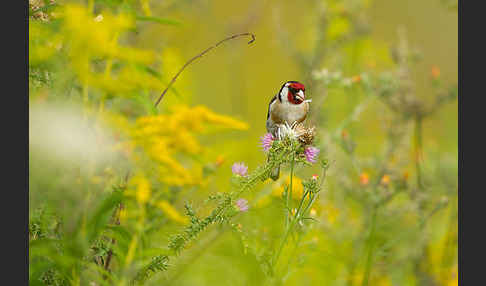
(288, 106)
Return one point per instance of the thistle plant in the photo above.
(292, 148)
(150, 199)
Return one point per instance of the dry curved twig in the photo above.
(200, 55)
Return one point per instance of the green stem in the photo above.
(288, 228)
(284, 240)
(253, 178)
(289, 199)
(301, 203)
(291, 226)
(311, 202)
(289, 192)
(369, 257)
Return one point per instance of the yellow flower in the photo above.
(123, 215)
(313, 212)
(142, 188)
(166, 138)
(297, 188)
(277, 188)
(222, 120)
(90, 38)
(171, 212)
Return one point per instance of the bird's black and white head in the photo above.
(292, 92)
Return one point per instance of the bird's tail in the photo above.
(275, 173)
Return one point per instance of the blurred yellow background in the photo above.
(240, 79)
(110, 175)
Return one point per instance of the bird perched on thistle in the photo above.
(287, 108)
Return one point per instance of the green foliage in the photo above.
(158, 263)
(125, 193)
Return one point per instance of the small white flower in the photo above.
(347, 82)
(320, 74)
(98, 18)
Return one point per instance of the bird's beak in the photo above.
(300, 95)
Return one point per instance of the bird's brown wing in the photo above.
(271, 101)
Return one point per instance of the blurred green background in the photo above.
(242, 79)
(107, 138)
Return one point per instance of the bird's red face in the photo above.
(296, 92)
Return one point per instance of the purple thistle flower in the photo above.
(239, 169)
(242, 205)
(311, 154)
(267, 141)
